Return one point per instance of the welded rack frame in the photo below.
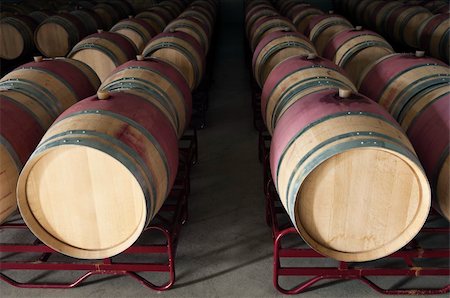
(344, 270)
(169, 221)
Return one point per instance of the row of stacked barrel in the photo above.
(344, 169)
(106, 164)
(422, 25)
(54, 34)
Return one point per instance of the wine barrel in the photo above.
(404, 22)
(302, 15)
(355, 49)
(427, 123)
(20, 132)
(40, 15)
(398, 77)
(348, 177)
(56, 84)
(104, 51)
(155, 19)
(108, 15)
(255, 16)
(31, 97)
(99, 175)
(200, 16)
(285, 6)
(137, 30)
(201, 10)
(56, 36)
(276, 47)
(90, 19)
(435, 6)
(433, 36)
(174, 6)
(158, 82)
(367, 13)
(16, 37)
(323, 27)
(381, 13)
(210, 6)
(294, 78)
(415, 91)
(122, 7)
(141, 5)
(180, 50)
(266, 25)
(252, 4)
(194, 28)
(86, 4)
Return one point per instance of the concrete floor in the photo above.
(225, 250)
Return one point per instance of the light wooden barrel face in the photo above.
(398, 77)
(99, 175)
(159, 83)
(103, 52)
(181, 51)
(303, 17)
(265, 26)
(192, 27)
(343, 169)
(56, 36)
(426, 120)
(16, 36)
(20, 132)
(404, 22)
(354, 50)
(137, 30)
(433, 36)
(294, 78)
(323, 27)
(276, 47)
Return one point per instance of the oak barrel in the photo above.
(55, 83)
(415, 90)
(181, 51)
(302, 15)
(265, 26)
(433, 36)
(90, 19)
(193, 27)
(356, 49)
(276, 47)
(108, 15)
(99, 175)
(56, 36)
(158, 82)
(348, 177)
(157, 20)
(16, 36)
(403, 24)
(294, 78)
(104, 51)
(323, 27)
(137, 30)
